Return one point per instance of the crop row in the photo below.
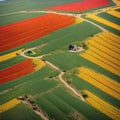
(16, 71)
(103, 79)
(9, 105)
(100, 63)
(115, 13)
(106, 44)
(109, 39)
(60, 104)
(103, 59)
(19, 33)
(103, 53)
(103, 21)
(81, 6)
(96, 81)
(9, 55)
(112, 36)
(102, 105)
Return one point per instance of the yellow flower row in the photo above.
(103, 21)
(39, 64)
(100, 63)
(115, 13)
(9, 105)
(10, 55)
(105, 49)
(114, 85)
(106, 44)
(93, 79)
(112, 36)
(109, 40)
(101, 58)
(78, 20)
(117, 1)
(105, 55)
(102, 105)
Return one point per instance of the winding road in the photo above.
(60, 76)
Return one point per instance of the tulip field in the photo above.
(42, 78)
(81, 6)
(16, 71)
(105, 59)
(108, 20)
(33, 27)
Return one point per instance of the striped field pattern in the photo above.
(103, 21)
(106, 108)
(9, 105)
(16, 71)
(9, 55)
(115, 13)
(100, 81)
(81, 6)
(19, 33)
(104, 51)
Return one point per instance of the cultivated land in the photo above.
(41, 79)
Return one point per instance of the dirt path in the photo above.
(69, 87)
(28, 11)
(60, 76)
(38, 111)
(103, 29)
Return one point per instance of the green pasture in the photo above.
(34, 83)
(81, 84)
(68, 61)
(60, 103)
(110, 18)
(20, 112)
(8, 19)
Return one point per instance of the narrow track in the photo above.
(60, 76)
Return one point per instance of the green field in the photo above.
(44, 87)
(70, 61)
(113, 30)
(63, 36)
(63, 103)
(20, 112)
(11, 62)
(110, 18)
(80, 84)
(31, 84)
(21, 5)
(17, 17)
